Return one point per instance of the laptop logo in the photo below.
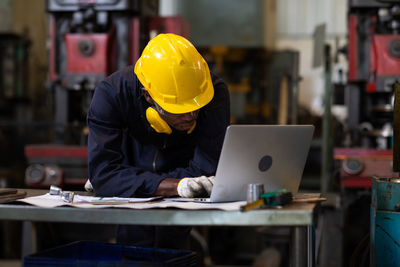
(265, 163)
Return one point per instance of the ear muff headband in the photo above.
(160, 125)
(192, 128)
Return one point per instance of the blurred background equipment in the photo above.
(385, 218)
(373, 68)
(88, 41)
(366, 149)
(13, 61)
(385, 203)
(14, 103)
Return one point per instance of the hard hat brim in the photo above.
(189, 105)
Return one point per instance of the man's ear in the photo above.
(147, 97)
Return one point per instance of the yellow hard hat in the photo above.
(175, 74)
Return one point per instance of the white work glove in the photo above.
(195, 187)
(88, 186)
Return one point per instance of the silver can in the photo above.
(254, 191)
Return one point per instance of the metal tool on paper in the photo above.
(66, 196)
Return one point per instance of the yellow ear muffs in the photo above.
(156, 122)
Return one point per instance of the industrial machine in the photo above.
(88, 40)
(14, 103)
(385, 204)
(263, 85)
(373, 69)
(385, 219)
(373, 54)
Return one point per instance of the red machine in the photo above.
(384, 62)
(358, 166)
(88, 41)
(373, 53)
(374, 66)
(89, 55)
(383, 55)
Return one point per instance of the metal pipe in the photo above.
(327, 153)
(299, 247)
(310, 246)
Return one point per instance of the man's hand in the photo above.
(195, 187)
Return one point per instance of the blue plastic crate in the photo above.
(87, 253)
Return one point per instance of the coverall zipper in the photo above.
(156, 155)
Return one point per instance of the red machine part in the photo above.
(352, 47)
(359, 165)
(384, 60)
(49, 151)
(52, 53)
(55, 165)
(134, 40)
(88, 53)
(173, 24)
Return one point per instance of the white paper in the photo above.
(46, 201)
(99, 200)
(50, 201)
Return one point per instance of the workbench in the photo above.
(300, 216)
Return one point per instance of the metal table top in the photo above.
(298, 214)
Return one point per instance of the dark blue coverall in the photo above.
(127, 158)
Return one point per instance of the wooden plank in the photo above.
(7, 191)
(9, 197)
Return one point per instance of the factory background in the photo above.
(331, 63)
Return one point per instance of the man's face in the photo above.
(181, 122)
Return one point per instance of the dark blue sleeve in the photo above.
(108, 173)
(210, 136)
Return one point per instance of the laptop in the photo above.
(274, 155)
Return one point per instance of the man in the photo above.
(157, 130)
